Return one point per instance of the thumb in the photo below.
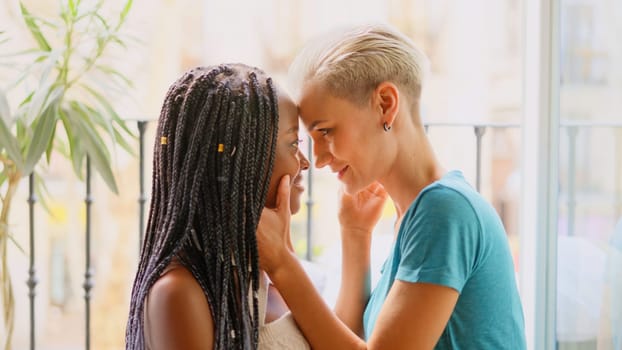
(282, 197)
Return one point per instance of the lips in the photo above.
(298, 182)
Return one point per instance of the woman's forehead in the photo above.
(288, 113)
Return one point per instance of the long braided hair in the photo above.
(213, 159)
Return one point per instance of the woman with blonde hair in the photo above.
(448, 282)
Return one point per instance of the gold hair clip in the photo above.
(221, 148)
(163, 140)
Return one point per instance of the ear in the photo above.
(387, 99)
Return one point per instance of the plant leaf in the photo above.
(114, 73)
(46, 22)
(95, 148)
(75, 149)
(109, 124)
(43, 131)
(42, 193)
(26, 100)
(119, 139)
(34, 28)
(115, 39)
(124, 12)
(21, 249)
(97, 121)
(101, 20)
(112, 126)
(35, 106)
(10, 143)
(90, 119)
(109, 109)
(24, 134)
(43, 93)
(24, 74)
(61, 147)
(50, 147)
(5, 111)
(72, 8)
(22, 53)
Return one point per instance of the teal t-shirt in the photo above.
(451, 236)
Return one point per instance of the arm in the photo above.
(178, 315)
(355, 286)
(413, 317)
(358, 214)
(320, 326)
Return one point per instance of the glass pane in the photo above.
(589, 310)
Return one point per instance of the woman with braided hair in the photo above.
(225, 137)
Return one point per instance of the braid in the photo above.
(213, 159)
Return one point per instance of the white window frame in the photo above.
(540, 153)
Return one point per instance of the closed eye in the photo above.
(296, 143)
(324, 131)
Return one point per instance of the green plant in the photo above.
(68, 110)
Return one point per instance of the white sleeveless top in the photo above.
(282, 333)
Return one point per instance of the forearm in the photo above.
(355, 281)
(317, 322)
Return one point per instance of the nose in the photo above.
(322, 155)
(322, 160)
(304, 162)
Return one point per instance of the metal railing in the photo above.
(479, 131)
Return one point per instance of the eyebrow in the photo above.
(292, 129)
(314, 124)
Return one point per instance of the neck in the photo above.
(414, 168)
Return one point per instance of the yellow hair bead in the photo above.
(221, 148)
(163, 140)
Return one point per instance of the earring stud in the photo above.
(386, 127)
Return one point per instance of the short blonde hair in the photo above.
(353, 62)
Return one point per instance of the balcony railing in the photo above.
(479, 132)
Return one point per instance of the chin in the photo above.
(350, 184)
(352, 189)
(294, 203)
(294, 208)
(294, 200)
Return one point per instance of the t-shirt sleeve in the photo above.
(439, 240)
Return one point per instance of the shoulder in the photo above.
(175, 286)
(440, 214)
(444, 203)
(177, 312)
(445, 194)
